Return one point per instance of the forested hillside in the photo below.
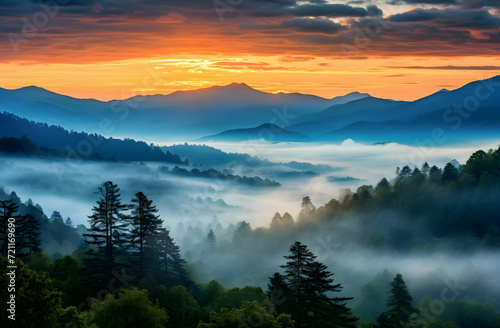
(81, 144)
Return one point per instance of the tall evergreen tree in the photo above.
(242, 232)
(405, 172)
(450, 173)
(400, 302)
(426, 169)
(69, 222)
(295, 276)
(383, 185)
(29, 236)
(279, 293)
(309, 285)
(94, 261)
(282, 221)
(435, 175)
(172, 263)
(211, 240)
(383, 321)
(276, 221)
(146, 227)
(8, 209)
(326, 311)
(107, 225)
(55, 216)
(307, 211)
(287, 219)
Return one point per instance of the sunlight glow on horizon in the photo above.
(403, 78)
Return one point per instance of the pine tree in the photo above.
(326, 311)
(276, 221)
(405, 173)
(172, 263)
(295, 275)
(383, 185)
(307, 211)
(426, 169)
(7, 210)
(417, 178)
(211, 240)
(400, 302)
(242, 232)
(309, 283)
(279, 293)
(107, 225)
(287, 219)
(434, 175)
(55, 216)
(282, 221)
(383, 321)
(94, 261)
(28, 238)
(69, 222)
(145, 231)
(450, 173)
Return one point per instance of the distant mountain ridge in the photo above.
(238, 112)
(268, 132)
(189, 114)
(337, 116)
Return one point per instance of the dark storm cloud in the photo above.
(464, 4)
(329, 10)
(311, 9)
(477, 4)
(374, 11)
(425, 2)
(451, 18)
(195, 8)
(416, 15)
(316, 25)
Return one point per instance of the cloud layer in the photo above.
(73, 31)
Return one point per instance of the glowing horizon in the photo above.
(401, 51)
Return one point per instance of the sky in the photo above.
(110, 49)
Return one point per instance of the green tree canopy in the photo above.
(37, 302)
(183, 309)
(250, 314)
(129, 309)
(67, 275)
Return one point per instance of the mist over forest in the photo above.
(436, 225)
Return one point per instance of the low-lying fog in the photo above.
(69, 187)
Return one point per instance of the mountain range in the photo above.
(178, 116)
(237, 112)
(268, 132)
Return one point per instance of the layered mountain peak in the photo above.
(238, 85)
(33, 89)
(357, 94)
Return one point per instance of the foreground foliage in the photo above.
(251, 314)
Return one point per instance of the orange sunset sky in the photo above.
(399, 49)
